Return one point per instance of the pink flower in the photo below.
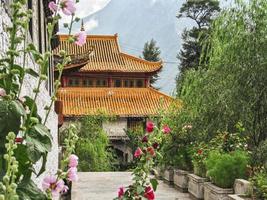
(166, 129)
(149, 126)
(2, 92)
(72, 174)
(68, 7)
(73, 160)
(149, 193)
(80, 38)
(55, 186)
(120, 192)
(53, 6)
(138, 152)
(65, 189)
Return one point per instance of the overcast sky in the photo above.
(87, 7)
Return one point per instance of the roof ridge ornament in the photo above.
(82, 26)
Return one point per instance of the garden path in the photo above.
(104, 186)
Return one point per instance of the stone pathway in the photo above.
(104, 186)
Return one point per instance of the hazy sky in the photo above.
(87, 7)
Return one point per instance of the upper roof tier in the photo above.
(105, 56)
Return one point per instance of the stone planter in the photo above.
(181, 179)
(168, 176)
(212, 192)
(196, 186)
(242, 187)
(238, 197)
(159, 172)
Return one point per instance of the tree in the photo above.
(151, 53)
(202, 12)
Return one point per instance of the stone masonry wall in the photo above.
(29, 84)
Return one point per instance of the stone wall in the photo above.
(29, 84)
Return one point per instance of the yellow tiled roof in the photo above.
(114, 101)
(106, 55)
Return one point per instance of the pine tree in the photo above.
(202, 12)
(151, 53)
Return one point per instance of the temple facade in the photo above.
(102, 78)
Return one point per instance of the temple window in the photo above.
(128, 83)
(117, 83)
(140, 83)
(73, 82)
(101, 83)
(88, 83)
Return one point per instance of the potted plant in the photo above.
(182, 169)
(223, 169)
(196, 180)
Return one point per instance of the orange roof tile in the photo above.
(106, 55)
(114, 101)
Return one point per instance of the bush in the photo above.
(224, 168)
(259, 156)
(93, 149)
(259, 182)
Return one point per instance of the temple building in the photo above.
(102, 78)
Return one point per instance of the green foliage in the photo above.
(230, 87)
(134, 136)
(259, 156)
(202, 13)
(224, 168)
(259, 182)
(93, 149)
(176, 148)
(151, 53)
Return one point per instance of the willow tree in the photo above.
(232, 86)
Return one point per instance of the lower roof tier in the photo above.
(124, 102)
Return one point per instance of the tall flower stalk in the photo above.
(19, 115)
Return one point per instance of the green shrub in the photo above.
(259, 181)
(224, 168)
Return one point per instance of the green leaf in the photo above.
(43, 164)
(32, 72)
(25, 165)
(154, 183)
(10, 118)
(39, 142)
(30, 191)
(140, 189)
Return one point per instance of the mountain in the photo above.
(138, 21)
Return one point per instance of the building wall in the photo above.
(29, 84)
(116, 128)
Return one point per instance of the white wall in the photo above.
(29, 84)
(116, 128)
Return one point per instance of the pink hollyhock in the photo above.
(145, 139)
(149, 193)
(72, 174)
(55, 186)
(120, 192)
(138, 152)
(149, 126)
(68, 7)
(151, 151)
(166, 129)
(2, 92)
(53, 6)
(80, 38)
(73, 160)
(65, 189)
